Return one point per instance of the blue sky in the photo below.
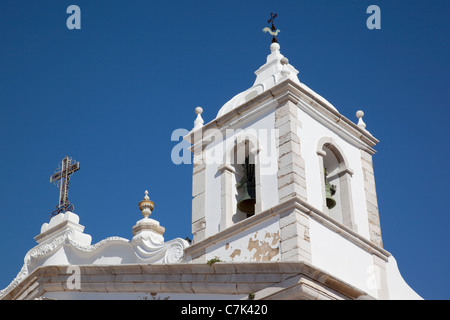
(110, 95)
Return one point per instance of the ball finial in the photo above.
(274, 47)
(360, 115)
(198, 123)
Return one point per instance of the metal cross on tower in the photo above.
(272, 30)
(272, 20)
(62, 177)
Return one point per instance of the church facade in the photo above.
(284, 207)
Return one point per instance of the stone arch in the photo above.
(332, 158)
(244, 144)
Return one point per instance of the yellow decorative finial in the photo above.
(146, 206)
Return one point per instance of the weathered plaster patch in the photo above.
(264, 250)
(236, 252)
(275, 237)
(259, 243)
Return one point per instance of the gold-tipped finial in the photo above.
(146, 206)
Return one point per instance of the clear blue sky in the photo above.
(111, 94)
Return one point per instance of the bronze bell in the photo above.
(247, 201)
(330, 191)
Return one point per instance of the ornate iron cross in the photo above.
(62, 177)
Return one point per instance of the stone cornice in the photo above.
(242, 114)
(317, 102)
(290, 204)
(148, 226)
(267, 280)
(300, 95)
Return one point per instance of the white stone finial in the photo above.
(198, 123)
(274, 47)
(284, 70)
(146, 195)
(199, 110)
(360, 115)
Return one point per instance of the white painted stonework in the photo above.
(293, 247)
(63, 243)
(275, 70)
(292, 223)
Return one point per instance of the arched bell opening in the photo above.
(240, 182)
(336, 183)
(331, 166)
(244, 202)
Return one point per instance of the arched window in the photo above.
(336, 183)
(240, 182)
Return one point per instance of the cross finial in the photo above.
(62, 176)
(272, 30)
(272, 20)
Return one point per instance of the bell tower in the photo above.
(281, 175)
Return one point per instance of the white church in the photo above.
(284, 207)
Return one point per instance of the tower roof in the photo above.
(276, 70)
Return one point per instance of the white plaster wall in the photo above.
(213, 199)
(59, 257)
(262, 126)
(269, 191)
(310, 133)
(258, 243)
(397, 286)
(341, 258)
